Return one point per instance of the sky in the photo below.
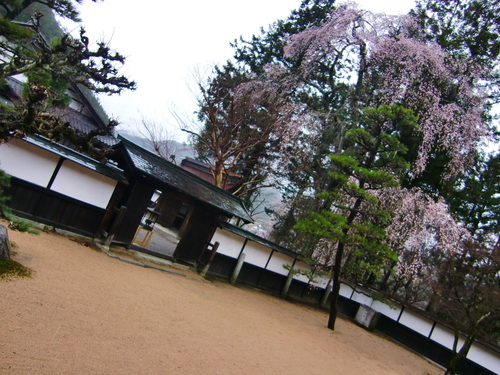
(165, 42)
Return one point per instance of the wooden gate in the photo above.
(196, 236)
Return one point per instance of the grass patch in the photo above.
(16, 223)
(22, 226)
(10, 269)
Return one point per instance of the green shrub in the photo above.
(5, 212)
(19, 224)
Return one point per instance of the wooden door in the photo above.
(137, 203)
(196, 234)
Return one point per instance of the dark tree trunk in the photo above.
(385, 280)
(338, 265)
(457, 358)
(336, 286)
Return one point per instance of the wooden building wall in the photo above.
(51, 189)
(51, 208)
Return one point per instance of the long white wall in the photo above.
(277, 261)
(36, 165)
(27, 162)
(485, 357)
(444, 336)
(83, 184)
(232, 244)
(416, 322)
(304, 267)
(256, 254)
(392, 312)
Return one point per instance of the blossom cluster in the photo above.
(386, 61)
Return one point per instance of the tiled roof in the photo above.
(189, 184)
(105, 169)
(86, 125)
(77, 120)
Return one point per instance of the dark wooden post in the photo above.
(116, 224)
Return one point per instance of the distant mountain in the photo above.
(180, 150)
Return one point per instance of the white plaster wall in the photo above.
(362, 298)
(304, 267)
(386, 309)
(27, 162)
(416, 322)
(444, 336)
(345, 290)
(83, 184)
(485, 357)
(230, 243)
(277, 261)
(320, 282)
(20, 77)
(256, 254)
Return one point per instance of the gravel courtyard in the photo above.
(84, 312)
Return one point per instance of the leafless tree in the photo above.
(160, 136)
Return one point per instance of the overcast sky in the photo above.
(164, 41)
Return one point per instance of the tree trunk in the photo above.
(457, 358)
(218, 175)
(338, 265)
(385, 280)
(336, 286)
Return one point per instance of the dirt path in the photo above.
(86, 313)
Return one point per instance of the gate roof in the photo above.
(174, 176)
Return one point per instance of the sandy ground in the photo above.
(84, 312)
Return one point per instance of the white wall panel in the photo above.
(230, 243)
(362, 298)
(345, 290)
(304, 267)
(277, 261)
(320, 282)
(256, 254)
(416, 322)
(444, 336)
(387, 310)
(485, 357)
(28, 162)
(78, 182)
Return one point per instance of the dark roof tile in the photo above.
(186, 182)
(77, 157)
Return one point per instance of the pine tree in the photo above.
(51, 66)
(372, 160)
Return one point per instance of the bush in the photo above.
(5, 212)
